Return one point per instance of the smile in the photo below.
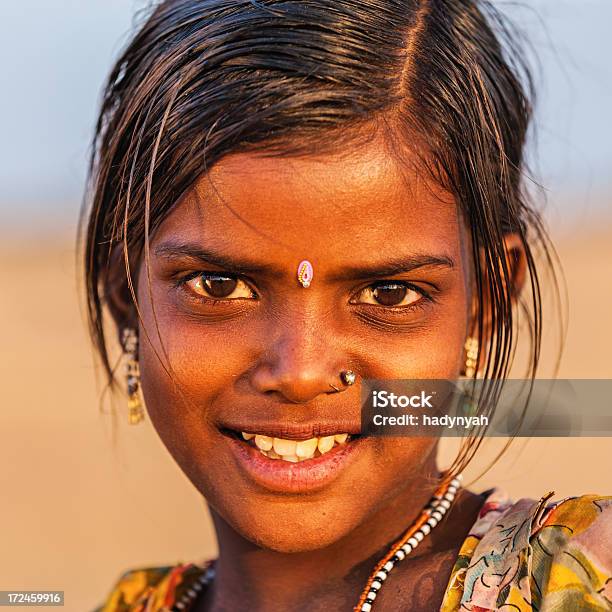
(292, 450)
(293, 459)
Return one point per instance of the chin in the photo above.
(295, 526)
(295, 534)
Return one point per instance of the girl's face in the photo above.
(251, 350)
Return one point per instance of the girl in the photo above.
(291, 196)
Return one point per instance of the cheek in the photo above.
(179, 406)
(195, 361)
(432, 349)
(182, 375)
(183, 381)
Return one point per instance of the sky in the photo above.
(55, 56)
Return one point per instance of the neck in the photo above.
(333, 576)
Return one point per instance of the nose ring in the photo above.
(348, 377)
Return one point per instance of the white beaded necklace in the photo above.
(430, 517)
(188, 597)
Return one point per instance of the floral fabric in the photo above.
(535, 555)
(529, 555)
(153, 589)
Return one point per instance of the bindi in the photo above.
(305, 273)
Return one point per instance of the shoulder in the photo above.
(572, 553)
(137, 589)
(534, 553)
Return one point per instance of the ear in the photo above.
(516, 262)
(117, 295)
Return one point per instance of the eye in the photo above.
(219, 287)
(389, 293)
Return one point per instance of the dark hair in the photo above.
(204, 78)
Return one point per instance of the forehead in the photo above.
(320, 207)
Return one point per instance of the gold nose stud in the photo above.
(348, 377)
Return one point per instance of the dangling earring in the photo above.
(467, 397)
(132, 376)
(471, 356)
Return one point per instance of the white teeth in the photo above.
(292, 450)
(284, 447)
(306, 448)
(264, 443)
(326, 444)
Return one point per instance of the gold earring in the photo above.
(471, 356)
(132, 376)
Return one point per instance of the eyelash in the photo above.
(426, 297)
(180, 283)
(420, 304)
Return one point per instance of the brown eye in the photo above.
(389, 294)
(220, 287)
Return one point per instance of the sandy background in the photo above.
(79, 505)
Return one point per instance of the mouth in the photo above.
(294, 461)
(294, 451)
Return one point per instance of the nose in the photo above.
(301, 362)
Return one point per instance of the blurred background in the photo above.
(84, 496)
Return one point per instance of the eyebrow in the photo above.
(394, 266)
(173, 250)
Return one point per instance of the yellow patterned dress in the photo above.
(529, 555)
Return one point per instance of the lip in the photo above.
(295, 431)
(303, 477)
